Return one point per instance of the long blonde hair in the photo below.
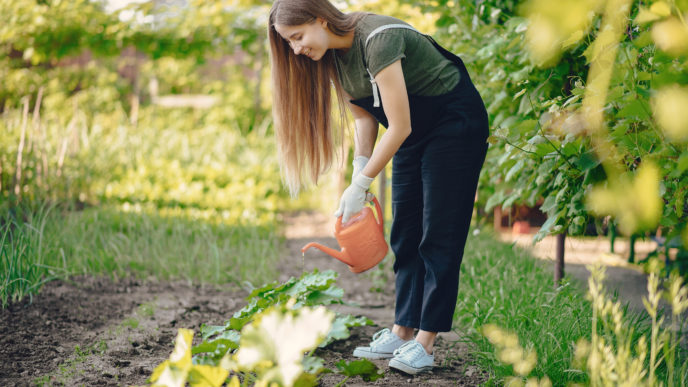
(302, 105)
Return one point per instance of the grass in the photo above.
(505, 286)
(48, 244)
(150, 243)
(24, 256)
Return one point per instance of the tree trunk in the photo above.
(612, 235)
(631, 248)
(559, 261)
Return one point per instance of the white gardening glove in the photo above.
(354, 197)
(359, 163)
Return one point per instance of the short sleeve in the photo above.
(385, 48)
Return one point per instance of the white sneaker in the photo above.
(382, 347)
(412, 358)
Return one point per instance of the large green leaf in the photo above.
(363, 368)
(587, 161)
(341, 325)
(546, 228)
(549, 205)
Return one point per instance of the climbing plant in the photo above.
(585, 101)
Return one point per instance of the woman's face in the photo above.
(310, 39)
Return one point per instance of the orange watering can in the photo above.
(361, 239)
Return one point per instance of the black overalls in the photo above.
(434, 181)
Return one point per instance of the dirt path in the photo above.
(94, 331)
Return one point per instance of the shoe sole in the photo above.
(407, 368)
(372, 355)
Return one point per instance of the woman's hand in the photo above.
(354, 197)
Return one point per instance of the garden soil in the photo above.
(99, 332)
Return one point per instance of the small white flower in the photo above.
(280, 339)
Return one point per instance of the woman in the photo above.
(386, 72)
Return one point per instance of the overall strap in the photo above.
(376, 98)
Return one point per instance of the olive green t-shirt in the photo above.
(426, 71)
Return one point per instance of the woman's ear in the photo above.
(322, 22)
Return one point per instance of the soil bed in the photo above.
(95, 331)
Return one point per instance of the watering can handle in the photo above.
(379, 220)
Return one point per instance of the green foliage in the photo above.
(42, 244)
(541, 153)
(310, 289)
(36, 36)
(79, 89)
(265, 341)
(154, 199)
(167, 244)
(526, 164)
(23, 266)
(505, 286)
(615, 354)
(172, 159)
(364, 368)
(341, 325)
(76, 63)
(271, 352)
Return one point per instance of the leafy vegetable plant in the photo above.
(265, 341)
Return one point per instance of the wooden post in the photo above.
(342, 183)
(20, 151)
(612, 235)
(497, 218)
(41, 159)
(257, 100)
(382, 197)
(559, 261)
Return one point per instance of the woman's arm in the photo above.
(392, 87)
(390, 82)
(366, 129)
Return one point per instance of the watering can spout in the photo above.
(362, 240)
(340, 255)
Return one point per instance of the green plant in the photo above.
(271, 353)
(81, 69)
(504, 285)
(265, 342)
(25, 256)
(106, 196)
(510, 352)
(146, 309)
(311, 289)
(584, 99)
(362, 367)
(614, 355)
(73, 48)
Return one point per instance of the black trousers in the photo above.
(434, 181)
